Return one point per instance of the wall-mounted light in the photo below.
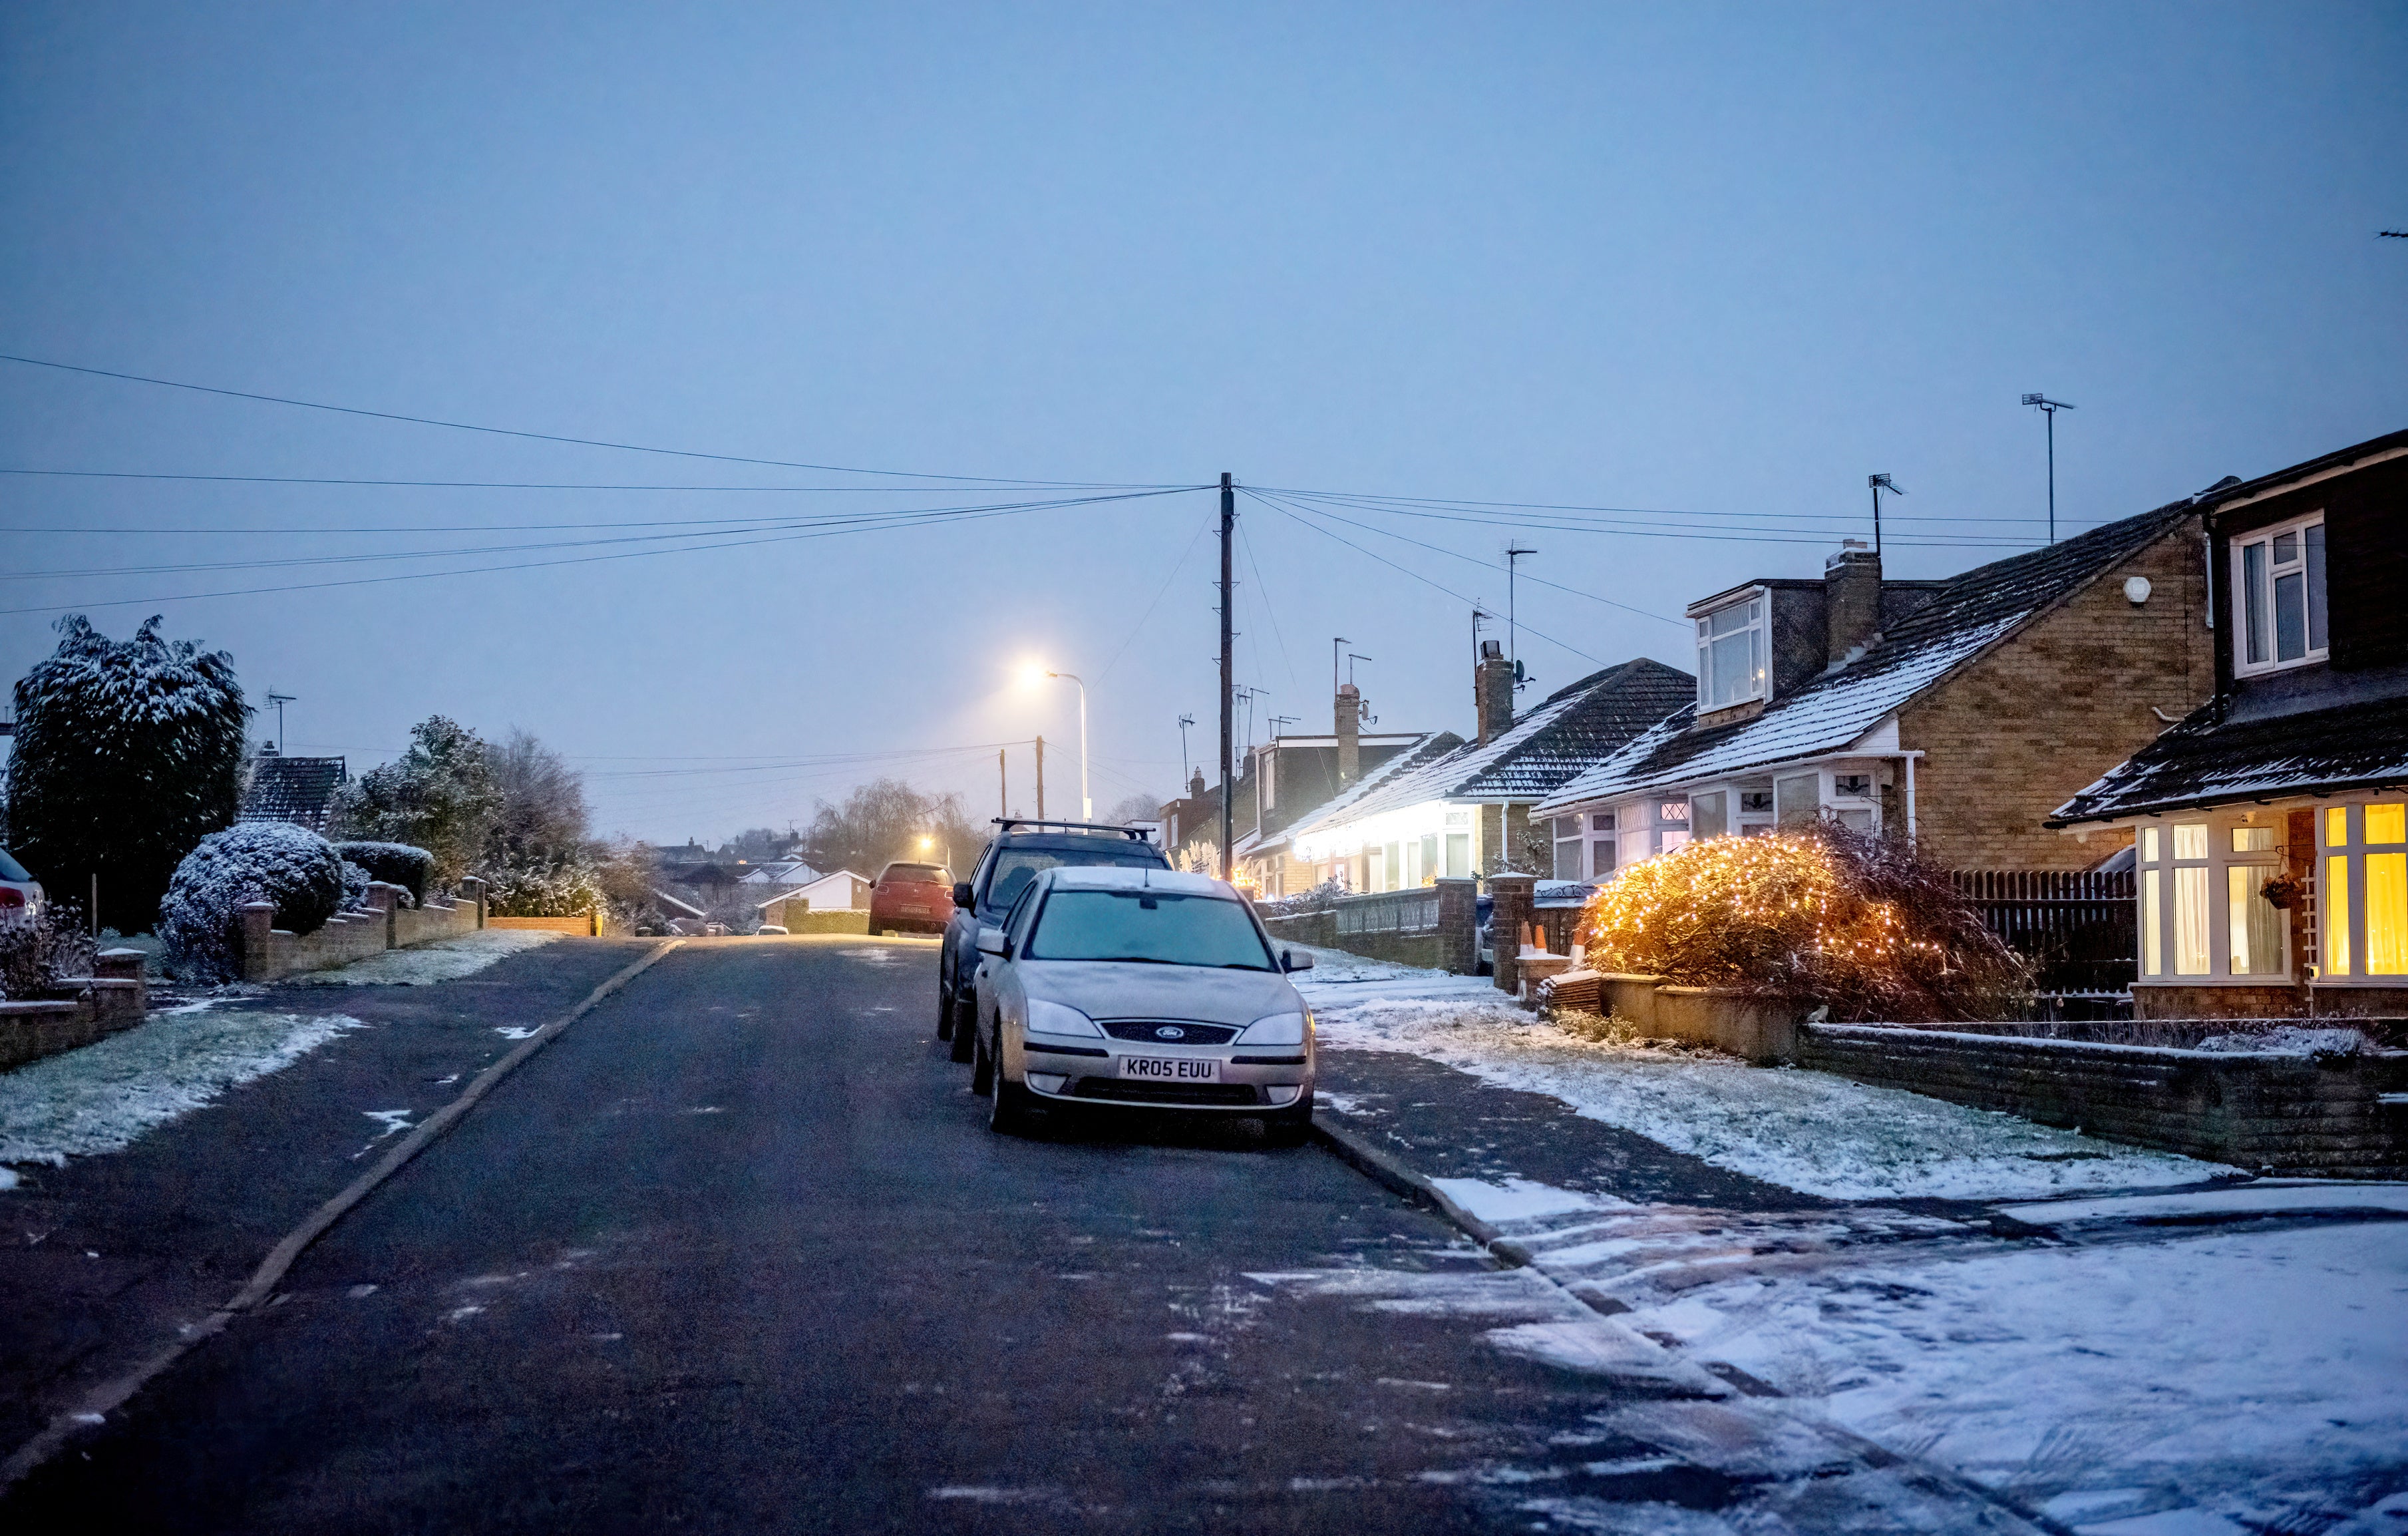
(2136, 590)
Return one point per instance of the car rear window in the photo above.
(1014, 868)
(1154, 927)
(10, 869)
(917, 871)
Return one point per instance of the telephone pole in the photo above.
(1040, 778)
(1228, 664)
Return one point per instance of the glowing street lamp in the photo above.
(1036, 674)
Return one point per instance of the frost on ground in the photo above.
(101, 1097)
(444, 960)
(2250, 1376)
(1809, 1131)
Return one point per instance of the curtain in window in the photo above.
(2191, 922)
(2153, 949)
(2333, 913)
(2386, 914)
(2257, 926)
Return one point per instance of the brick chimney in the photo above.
(1852, 581)
(1492, 691)
(1195, 786)
(1350, 734)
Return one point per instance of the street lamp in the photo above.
(1039, 674)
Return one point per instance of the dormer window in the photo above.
(1731, 655)
(2278, 577)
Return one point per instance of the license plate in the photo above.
(1172, 1069)
(913, 912)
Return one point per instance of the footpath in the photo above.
(1884, 1307)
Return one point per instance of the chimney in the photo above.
(1195, 786)
(1350, 734)
(1492, 691)
(1852, 581)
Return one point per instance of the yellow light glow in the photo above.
(1033, 674)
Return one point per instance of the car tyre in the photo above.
(965, 1029)
(982, 1063)
(1291, 1127)
(944, 1009)
(1010, 1113)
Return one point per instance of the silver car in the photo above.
(1145, 989)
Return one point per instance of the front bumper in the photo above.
(1251, 1079)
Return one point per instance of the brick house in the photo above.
(1462, 807)
(2271, 824)
(1959, 712)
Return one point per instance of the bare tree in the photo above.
(886, 820)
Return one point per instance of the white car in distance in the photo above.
(1141, 988)
(21, 894)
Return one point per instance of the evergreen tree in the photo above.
(439, 795)
(127, 754)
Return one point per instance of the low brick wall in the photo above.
(2229, 1001)
(1319, 930)
(2288, 1113)
(588, 924)
(269, 953)
(829, 920)
(79, 1011)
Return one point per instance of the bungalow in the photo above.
(2272, 822)
(1455, 810)
(1958, 713)
(300, 789)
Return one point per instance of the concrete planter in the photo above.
(1760, 1029)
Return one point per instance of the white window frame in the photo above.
(2236, 547)
(2155, 885)
(1759, 628)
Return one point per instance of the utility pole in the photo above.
(1879, 484)
(2049, 408)
(1040, 778)
(1002, 787)
(1228, 664)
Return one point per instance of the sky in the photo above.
(1706, 267)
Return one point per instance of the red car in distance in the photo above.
(911, 898)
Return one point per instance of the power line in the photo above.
(1733, 535)
(509, 484)
(1176, 567)
(1263, 601)
(531, 436)
(1582, 507)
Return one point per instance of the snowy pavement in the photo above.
(444, 960)
(2118, 1341)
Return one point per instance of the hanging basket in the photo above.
(2284, 891)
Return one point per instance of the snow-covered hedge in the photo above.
(394, 863)
(200, 920)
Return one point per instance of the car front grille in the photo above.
(1164, 1092)
(1150, 1031)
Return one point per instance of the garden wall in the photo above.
(269, 952)
(80, 1011)
(586, 924)
(2343, 1116)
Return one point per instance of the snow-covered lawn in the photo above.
(444, 960)
(1809, 1131)
(2259, 1377)
(99, 1098)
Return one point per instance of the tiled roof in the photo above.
(1569, 730)
(292, 789)
(2202, 763)
(1374, 787)
(1969, 613)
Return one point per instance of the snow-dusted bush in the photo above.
(126, 754)
(394, 863)
(356, 887)
(1860, 923)
(200, 921)
(439, 795)
(1320, 898)
(568, 889)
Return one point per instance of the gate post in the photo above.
(1458, 924)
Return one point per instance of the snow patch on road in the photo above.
(2269, 1198)
(444, 960)
(101, 1097)
(1809, 1131)
(1519, 1199)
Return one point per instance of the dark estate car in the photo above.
(1022, 850)
(911, 898)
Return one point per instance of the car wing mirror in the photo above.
(992, 942)
(961, 893)
(1291, 960)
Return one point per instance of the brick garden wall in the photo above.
(2022, 729)
(2285, 1112)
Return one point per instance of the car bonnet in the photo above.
(1116, 989)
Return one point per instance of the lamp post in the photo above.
(1087, 806)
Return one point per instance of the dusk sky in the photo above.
(1715, 264)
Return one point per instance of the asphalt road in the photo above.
(737, 1252)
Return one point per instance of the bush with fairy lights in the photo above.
(1859, 924)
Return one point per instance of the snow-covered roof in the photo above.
(1971, 613)
(1346, 807)
(292, 789)
(2201, 762)
(1572, 729)
(668, 900)
(780, 872)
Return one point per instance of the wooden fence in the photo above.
(2078, 927)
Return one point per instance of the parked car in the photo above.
(21, 894)
(1021, 850)
(911, 898)
(1141, 988)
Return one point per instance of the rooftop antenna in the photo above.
(1185, 720)
(1880, 483)
(280, 700)
(1279, 719)
(1336, 645)
(2050, 407)
(1351, 659)
(1512, 640)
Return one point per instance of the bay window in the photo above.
(2203, 912)
(2278, 579)
(2363, 904)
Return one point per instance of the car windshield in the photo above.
(1154, 927)
(10, 869)
(1014, 868)
(916, 871)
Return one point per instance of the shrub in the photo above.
(1859, 924)
(394, 863)
(569, 889)
(200, 921)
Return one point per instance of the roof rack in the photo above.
(1135, 834)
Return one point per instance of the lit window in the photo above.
(2386, 824)
(2256, 926)
(2149, 854)
(2190, 901)
(2190, 841)
(2253, 840)
(2153, 946)
(2386, 914)
(1730, 655)
(2337, 827)
(2336, 914)
(2279, 579)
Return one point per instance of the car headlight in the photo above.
(1046, 1018)
(1279, 1029)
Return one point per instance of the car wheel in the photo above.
(944, 1009)
(965, 1029)
(982, 1064)
(1292, 1127)
(1009, 1115)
